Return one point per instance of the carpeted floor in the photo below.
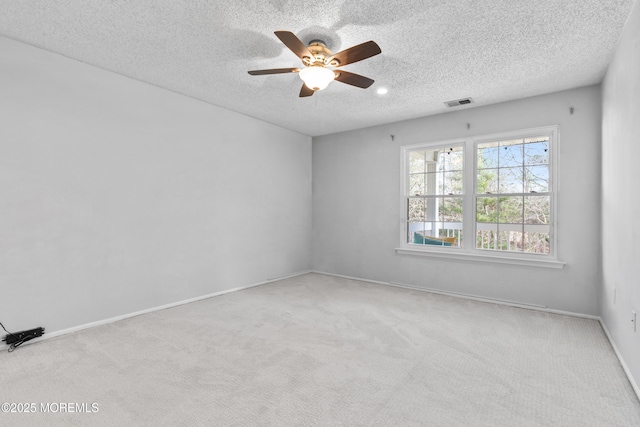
(320, 350)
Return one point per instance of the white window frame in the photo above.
(469, 221)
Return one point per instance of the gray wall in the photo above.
(356, 215)
(620, 195)
(117, 196)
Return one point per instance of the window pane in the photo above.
(486, 239)
(451, 237)
(488, 155)
(432, 204)
(536, 151)
(452, 211)
(415, 228)
(433, 184)
(511, 153)
(536, 179)
(487, 181)
(537, 243)
(417, 162)
(510, 240)
(452, 159)
(417, 184)
(510, 180)
(537, 209)
(486, 235)
(510, 210)
(416, 210)
(452, 182)
(487, 209)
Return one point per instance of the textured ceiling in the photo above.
(432, 51)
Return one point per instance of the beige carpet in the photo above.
(319, 350)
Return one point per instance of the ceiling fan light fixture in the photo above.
(316, 77)
(319, 62)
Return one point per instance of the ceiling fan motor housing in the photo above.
(320, 53)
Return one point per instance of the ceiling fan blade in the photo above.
(354, 54)
(274, 71)
(305, 91)
(353, 79)
(294, 43)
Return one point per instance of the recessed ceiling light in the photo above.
(382, 91)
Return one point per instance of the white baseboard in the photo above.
(626, 369)
(467, 296)
(54, 334)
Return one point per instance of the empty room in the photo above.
(358, 213)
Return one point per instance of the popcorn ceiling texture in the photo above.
(432, 51)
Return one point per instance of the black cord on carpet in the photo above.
(15, 340)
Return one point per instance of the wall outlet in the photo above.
(635, 321)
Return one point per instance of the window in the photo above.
(513, 198)
(435, 199)
(491, 195)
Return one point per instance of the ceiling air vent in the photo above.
(458, 102)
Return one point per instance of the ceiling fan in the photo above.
(319, 62)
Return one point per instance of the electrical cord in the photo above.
(10, 346)
(19, 340)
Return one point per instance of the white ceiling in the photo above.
(432, 50)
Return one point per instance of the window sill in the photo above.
(467, 256)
